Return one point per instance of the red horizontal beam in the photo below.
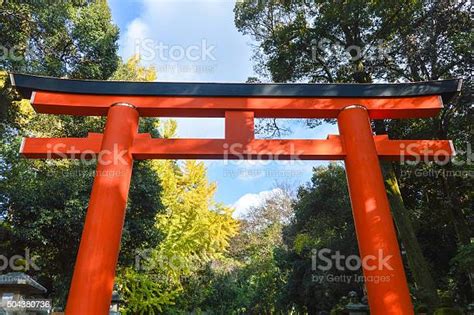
(145, 147)
(256, 149)
(397, 150)
(263, 107)
(57, 148)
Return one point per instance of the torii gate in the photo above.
(124, 102)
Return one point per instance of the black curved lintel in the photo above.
(26, 84)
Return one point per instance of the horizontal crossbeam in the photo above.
(263, 107)
(144, 147)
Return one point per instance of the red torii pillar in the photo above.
(373, 221)
(92, 283)
(94, 273)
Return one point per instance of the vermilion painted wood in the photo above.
(145, 147)
(94, 272)
(60, 148)
(263, 107)
(386, 284)
(423, 150)
(223, 149)
(239, 126)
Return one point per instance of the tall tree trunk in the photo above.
(416, 261)
(454, 209)
(458, 218)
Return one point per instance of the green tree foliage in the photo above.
(43, 202)
(250, 280)
(270, 269)
(59, 38)
(193, 225)
(323, 220)
(195, 233)
(367, 41)
(259, 279)
(133, 71)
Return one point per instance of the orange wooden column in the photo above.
(93, 279)
(378, 246)
(239, 126)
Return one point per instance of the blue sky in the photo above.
(196, 40)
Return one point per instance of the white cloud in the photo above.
(136, 31)
(247, 201)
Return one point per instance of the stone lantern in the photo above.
(355, 307)
(114, 305)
